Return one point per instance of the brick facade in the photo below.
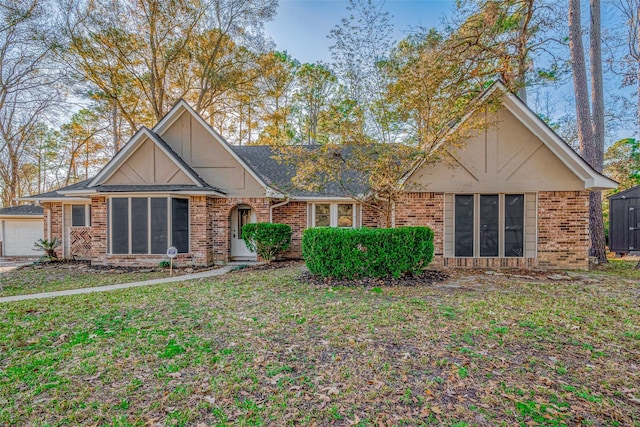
(53, 217)
(562, 240)
(221, 209)
(424, 209)
(563, 229)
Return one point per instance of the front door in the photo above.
(240, 216)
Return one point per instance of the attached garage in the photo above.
(20, 227)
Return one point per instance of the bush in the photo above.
(49, 247)
(367, 252)
(267, 239)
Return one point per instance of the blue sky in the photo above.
(301, 27)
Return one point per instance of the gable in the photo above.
(208, 157)
(148, 164)
(506, 157)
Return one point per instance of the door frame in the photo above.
(237, 248)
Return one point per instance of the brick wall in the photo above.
(98, 230)
(80, 242)
(221, 213)
(53, 216)
(295, 215)
(424, 209)
(563, 229)
(201, 232)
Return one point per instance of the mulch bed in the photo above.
(428, 277)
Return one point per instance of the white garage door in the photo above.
(20, 235)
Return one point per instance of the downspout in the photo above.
(277, 205)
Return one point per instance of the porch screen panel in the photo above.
(120, 225)
(464, 225)
(489, 225)
(139, 225)
(159, 226)
(513, 225)
(180, 224)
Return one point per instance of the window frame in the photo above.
(501, 224)
(169, 223)
(333, 213)
(86, 214)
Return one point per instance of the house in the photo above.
(516, 195)
(20, 227)
(624, 221)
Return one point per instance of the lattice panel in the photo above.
(80, 242)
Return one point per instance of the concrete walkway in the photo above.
(209, 273)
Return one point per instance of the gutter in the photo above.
(277, 205)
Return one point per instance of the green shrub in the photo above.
(49, 247)
(367, 252)
(266, 239)
(164, 264)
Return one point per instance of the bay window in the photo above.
(148, 225)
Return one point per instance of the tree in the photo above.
(590, 128)
(630, 10)
(510, 35)
(622, 163)
(277, 84)
(362, 44)
(316, 91)
(142, 56)
(29, 86)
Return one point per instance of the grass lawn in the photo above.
(57, 277)
(260, 348)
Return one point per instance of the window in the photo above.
(148, 225)
(79, 215)
(489, 225)
(333, 215)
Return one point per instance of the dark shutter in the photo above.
(464, 225)
(159, 226)
(120, 225)
(489, 225)
(139, 225)
(180, 224)
(78, 216)
(513, 225)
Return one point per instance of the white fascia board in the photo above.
(571, 159)
(324, 199)
(34, 217)
(175, 113)
(161, 194)
(41, 200)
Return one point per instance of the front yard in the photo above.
(260, 348)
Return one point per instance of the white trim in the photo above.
(128, 150)
(324, 199)
(56, 199)
(333, 213)
(10, 217)
(175, 113)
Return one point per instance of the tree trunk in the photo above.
(579, 70)
(595, 156)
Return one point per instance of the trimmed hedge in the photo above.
(367, 252)
(266, 239)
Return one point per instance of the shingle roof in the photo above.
(263, 159)
(22, 210)
(81, 185)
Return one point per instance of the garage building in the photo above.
(20, 227)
